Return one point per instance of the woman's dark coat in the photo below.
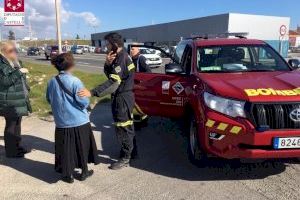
(14, 99)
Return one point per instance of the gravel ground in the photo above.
(163, 171)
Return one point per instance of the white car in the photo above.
(92, 49)
(152, 59)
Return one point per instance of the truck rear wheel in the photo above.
(196, 155)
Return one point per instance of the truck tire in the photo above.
(196, 155)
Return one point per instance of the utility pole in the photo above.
(58, 25)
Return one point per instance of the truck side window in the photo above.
(179, 51)
(186, 61)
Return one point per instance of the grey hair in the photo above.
(4, 45)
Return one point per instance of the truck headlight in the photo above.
(226, 106)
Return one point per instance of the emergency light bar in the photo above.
(219, 35)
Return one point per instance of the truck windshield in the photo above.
(239, 58)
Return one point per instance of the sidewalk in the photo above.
(163, 172)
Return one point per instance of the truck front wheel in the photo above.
(196, 155)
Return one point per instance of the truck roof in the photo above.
(227, 41)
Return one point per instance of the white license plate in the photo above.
(287, 143)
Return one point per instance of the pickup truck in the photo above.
(238, 97)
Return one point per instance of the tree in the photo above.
(77, 37)
(11, 35)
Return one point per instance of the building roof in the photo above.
(225, 41)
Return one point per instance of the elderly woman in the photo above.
(14, 99)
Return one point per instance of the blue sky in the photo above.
(131, 13)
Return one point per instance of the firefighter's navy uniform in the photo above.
(120, 84)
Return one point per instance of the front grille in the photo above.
(154, 59)
(275, 116)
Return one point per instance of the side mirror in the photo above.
(294, 63)
(173, 68)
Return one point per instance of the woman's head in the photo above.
(8, 50)
(63, 62)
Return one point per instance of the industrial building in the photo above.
(294, 37)
(271, 29)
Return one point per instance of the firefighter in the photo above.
(139, 60)
(140, 118)
(120, 72)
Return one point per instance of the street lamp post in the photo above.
(58, 28)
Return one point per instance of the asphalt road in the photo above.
(162, 172)
(92, 63)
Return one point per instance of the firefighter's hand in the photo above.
(110, 58)
(84, 93)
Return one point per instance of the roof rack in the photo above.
(241, 35)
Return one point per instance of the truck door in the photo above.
(165, 94)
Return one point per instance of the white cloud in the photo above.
(41, 14)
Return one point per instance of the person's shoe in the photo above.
(120, 164)
(17, 155)
(68, 179)
(86, 174)
(24, 150)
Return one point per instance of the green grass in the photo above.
(40, 74)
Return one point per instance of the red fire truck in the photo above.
(239, 97)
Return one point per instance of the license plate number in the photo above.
(287, 143)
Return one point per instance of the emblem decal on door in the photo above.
(165, 87)
(178, 88)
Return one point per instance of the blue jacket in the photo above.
(67, 112)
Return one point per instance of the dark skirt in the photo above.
(74, 148)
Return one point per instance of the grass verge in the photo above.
(38, 78)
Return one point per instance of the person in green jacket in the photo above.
(14, 98)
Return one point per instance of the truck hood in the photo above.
(255, 86)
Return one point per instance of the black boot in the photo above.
(86, 174)
(23, 150)
(68, 179)
(15, 155)
(123, 162)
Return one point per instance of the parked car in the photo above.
(33, 51)
(237, 98)
(152, 59)
(98, 50)
(51, 51)
(92, 49)
(166, 49)
(77, 50)
(85, 48)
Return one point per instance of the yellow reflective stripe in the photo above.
(235, 130)
(131, 67)
(144, 117)
(116, 78)
(124, 124)
(138, 109)
(210, 123)
(222, 126)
